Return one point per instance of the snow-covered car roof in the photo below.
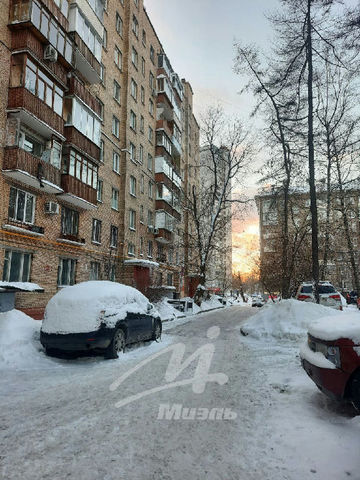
(76, 308)
(336, 327)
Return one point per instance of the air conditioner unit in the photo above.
(50, 53)
(52, 208)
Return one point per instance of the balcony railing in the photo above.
(75, 187)
(91, 71)
(163, 205)
(20, 97)
(20, 11)
(77, 88)
(163, 236)
(76, 138)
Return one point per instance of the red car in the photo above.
(331, 357)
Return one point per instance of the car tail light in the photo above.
(335, 297)
(303, 297)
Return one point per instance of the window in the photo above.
(119, 25)
(150, 221)
(104, 42)
(101, 105)
(141, 246)
(151, 81)
(100, 187)
(131, 249)
(152, 54)
(116, 162)
(69, 222)
(115, 199)
(86, 32)
(134, 57)
(16, 266)
(135, 26)
(116, 127)
(84, 120)
(151, 107)
(114, 235)
(141, 154)
(117, 92)
(79, 167)
(102, 73)
(102, 150)
(150, 134)
(141, 213)
(132, 152)
(142, 124)
(144, 37)
(132, 219)
(96, 231)
(94, 270)
(150, 249)
(143, 66)
(40, 85)
(142, 183)
(142, 95)
(133, 89)
(118, 57)
(66, 272)
(132, 186)
(150, 162)
(170, 279)
(132, 120)
(21, 206)
(150, 189)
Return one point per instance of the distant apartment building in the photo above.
(337, 267)
(93, 129)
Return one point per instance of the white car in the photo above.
(329, 297)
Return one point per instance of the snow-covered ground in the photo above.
(58, 418)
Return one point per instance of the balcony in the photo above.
(78, 193)
(163, 236)
(177, 150)
(24, 167)
(78, 89)
(22, 11)
(82, 143)
(35, 113)
(163, 205)
(85, 61)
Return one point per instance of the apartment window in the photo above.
(141, 246)
(150, 189)
(84, 120)
(150, 249)
(114, 235)
(115, 199)
(96, 231)
(119, 25)
(86, 32)
(102, 73)
(116, 126)
(132, 219)
(152, 54)
(132, 152)
(116, 162)
(151, 81)
(131, 249)
(150, 219)
(21, 206)
(69, 222)
(144, 37)
(134, 57)
(40, 85)
(141, 124)
(101, 105)
(79, 167)
(118, 57)
(142, 184)
(99, 193)
(143, 66)
(150, 134)
(132, 120)
(135, 26)
(141, 154)
(132, 186)
(94, 271)
(102, 150)
(66, 272)
(16, 266)
(117, 92)
(170, 279)
(141, 213)
(104, 38)
(142, 95)
(133, 89)
(151, 107)
(150, 162)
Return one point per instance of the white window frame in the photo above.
(132, 220)
(116, 162)
(132, 185)
(7, 265)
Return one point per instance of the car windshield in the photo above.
(326, 289)
(306, 289)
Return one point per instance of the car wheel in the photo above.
(355, 391)
(117, 344)
(157, 331)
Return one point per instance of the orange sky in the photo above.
(245, 240)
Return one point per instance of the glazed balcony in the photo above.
(177, 149)
(161, 177)
(85, 61)
(78, 89)
(163, 236)
(23, 11)
(34, 112)
(82, 143)
(32, 171)
(78, 193)
(166, 207)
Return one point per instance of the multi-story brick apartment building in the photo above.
(337, 268)
(93, 126)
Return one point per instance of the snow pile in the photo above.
(288, 319)
(19, 341)
(210, 304)
(77, 308)
(168, 311)
(339, 326)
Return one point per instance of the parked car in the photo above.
(331, 357)
(329, 297)
(257, 301)
(351, 298)
(98, 316)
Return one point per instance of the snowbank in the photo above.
(19, 341)
(289, 319)
(77, 308)
(339, 326)
(169, 312)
